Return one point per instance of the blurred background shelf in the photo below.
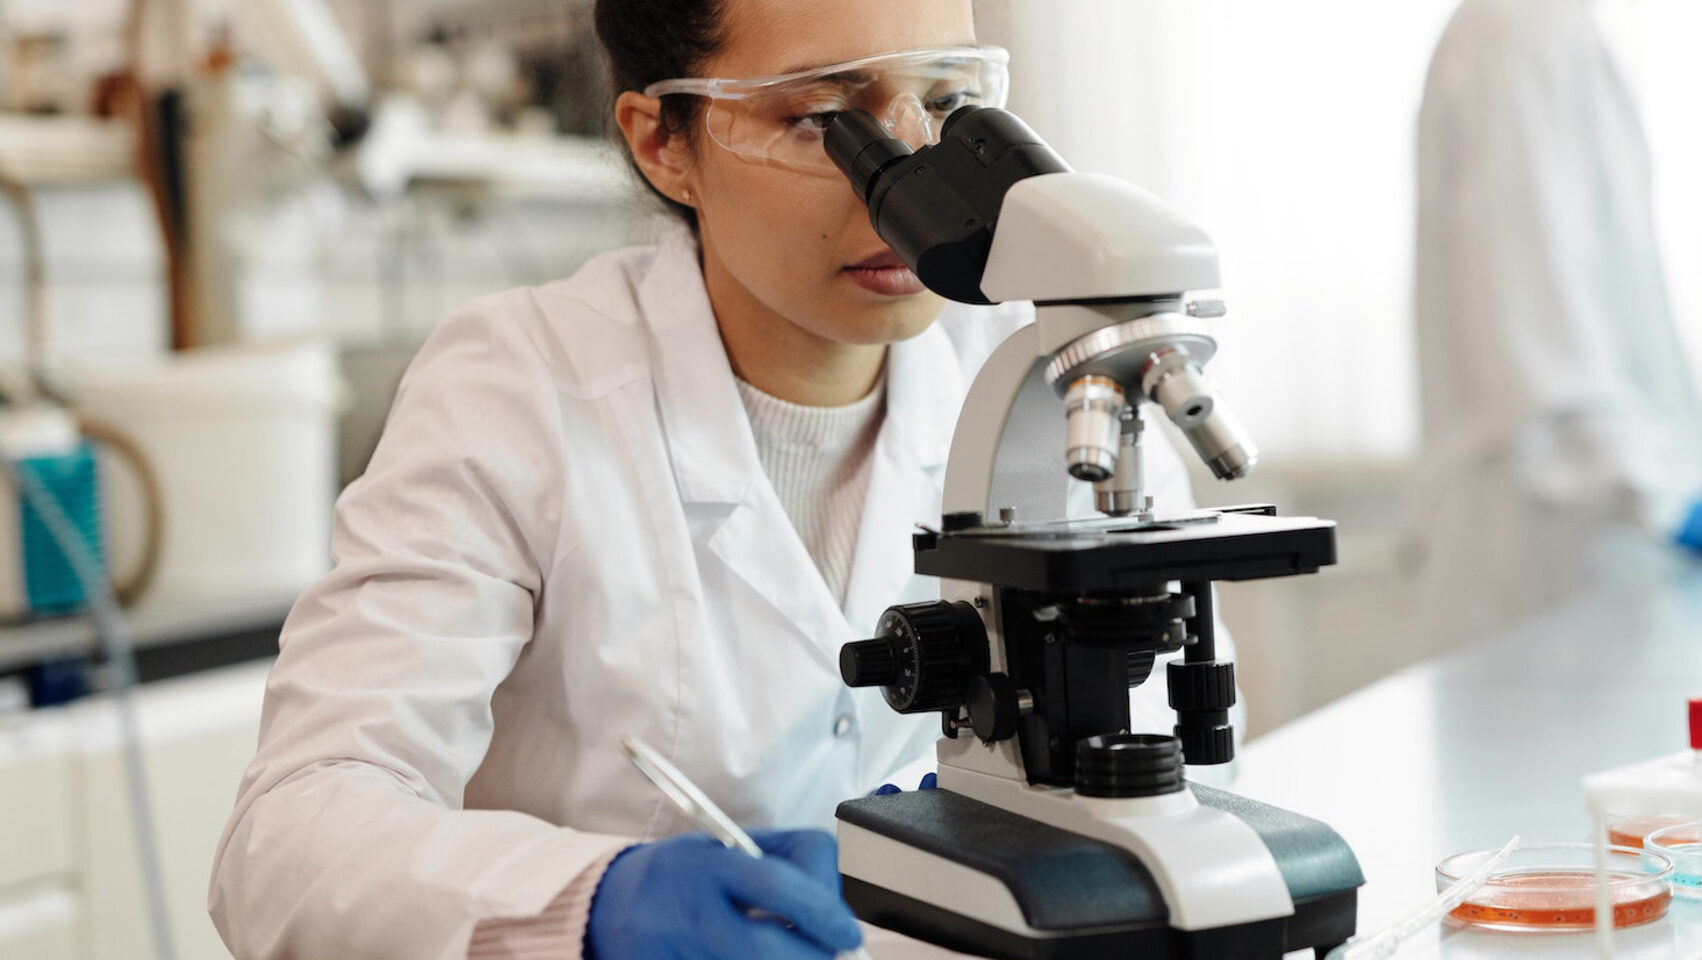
(170, 637)
(65, 150)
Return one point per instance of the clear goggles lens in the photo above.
(783, 120)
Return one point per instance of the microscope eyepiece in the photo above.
(860, 147)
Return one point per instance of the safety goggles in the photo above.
(782, 119)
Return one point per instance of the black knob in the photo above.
(1128, 765)
(868, 663)
(995, 707)
(1201, 694)
(1202, 686)
(1206, 743)
(923, 657)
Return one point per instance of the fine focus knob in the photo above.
(923, 658)
(1128, 765)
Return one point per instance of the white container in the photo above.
(243, 441)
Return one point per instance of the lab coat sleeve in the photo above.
(349, 838)
(1535, 195)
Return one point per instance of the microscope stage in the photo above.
(1114, 555)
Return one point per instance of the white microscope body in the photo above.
(1056, 831)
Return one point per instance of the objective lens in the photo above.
(1094, 406)
(1190, 399)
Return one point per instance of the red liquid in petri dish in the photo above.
(1630, 831)
(1559, 900)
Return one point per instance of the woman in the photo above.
(653, 499)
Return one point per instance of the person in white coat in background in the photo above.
(1562, 428)
(653, 499)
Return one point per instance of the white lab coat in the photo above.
(566, 535)
(1563, 435)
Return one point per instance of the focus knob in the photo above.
(868, 663)
(1202, 686)
(923, 658)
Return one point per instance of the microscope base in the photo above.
(1026, 890)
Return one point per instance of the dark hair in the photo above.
(651, 40)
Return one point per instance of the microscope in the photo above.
(1056, 831)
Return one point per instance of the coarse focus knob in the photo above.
(1128, 765)
(868, 663)
(922, 658)
(1202, 686)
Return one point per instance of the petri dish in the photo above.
(1552, 887)
(1629, 831)
(1682, 844)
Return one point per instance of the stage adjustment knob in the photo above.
(1201, 694)
(923, 657)
(1202, 686)
(1128, 765)
(1206, 744)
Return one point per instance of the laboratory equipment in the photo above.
(1667, 784)
(1551, 886)
(1630, 831)
(695, 804)
(1385, 942)
(1056, 830)
(36, 577)
(241, 446)
(85, 567)
(1682, 844)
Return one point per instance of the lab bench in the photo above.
(171, 637)
(1462, 752)
(69, 882)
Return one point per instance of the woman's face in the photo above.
(781, 244)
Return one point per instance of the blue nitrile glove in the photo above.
(690, 898)
(929, 782)
(1689, 533)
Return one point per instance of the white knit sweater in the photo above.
(818, 459)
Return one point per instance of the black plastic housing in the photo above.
(937, 207)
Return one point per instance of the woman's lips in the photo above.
(885, 274)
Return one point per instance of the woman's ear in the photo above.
(664, 159)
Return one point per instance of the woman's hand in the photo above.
(689, 898)
(929, 782)
(1689, 533)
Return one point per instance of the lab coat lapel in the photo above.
(924, 392)
(728, 501)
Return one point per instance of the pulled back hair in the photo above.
(651, 40)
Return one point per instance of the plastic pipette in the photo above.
(1383, 943)
(696, 804)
